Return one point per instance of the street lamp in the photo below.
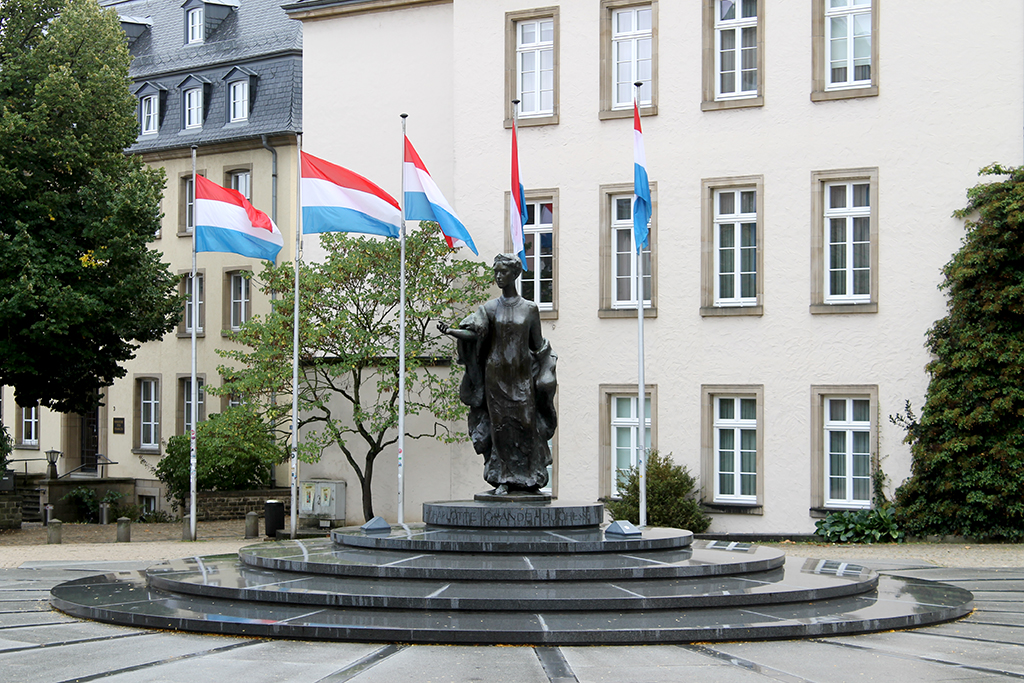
(51, 457)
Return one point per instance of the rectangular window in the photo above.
(239, 100)
(240, 303)
(194, 108)
(736, 48)
(629, 53)
(196, 26)
(848, 236)
(150, 112)
(844, 241)
(845, 49)
(148, 395)
(632, 55)
(186, 290)
(242, 181)
(535, 67)
(190, 205)
(618, 254)
(844, 441)
(624, 285)
(625, 434)
(735, 438)
(848, 452)
(185, 403)
(29, 424)
(531, 65)
(538, 282)
(735, 247)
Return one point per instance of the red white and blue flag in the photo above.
(334, 199)
(641, 186)
(517, 204)
(227, 222)
(424, 201)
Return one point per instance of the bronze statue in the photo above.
(509, 385)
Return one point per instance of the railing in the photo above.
(101, 461)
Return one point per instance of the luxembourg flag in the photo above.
(226, 221)
(641, 187)
(334, 199)
(517, 204)
(424, 201)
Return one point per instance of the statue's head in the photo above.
(508, 263)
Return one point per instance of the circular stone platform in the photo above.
(513, 515)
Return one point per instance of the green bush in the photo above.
(670, 496)
(235, 451)
(877, 525)
(86, 504)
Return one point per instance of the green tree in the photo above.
(968, 444)
(79, 287)
(348, 346)
(235, 451)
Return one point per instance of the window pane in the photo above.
(528, 32)
(837, 452)
(726, 236)
(837, 196)
(547, 213)
(748, 201)
(727, 10)
(861, 194)
(748, 484)
(623, 209)
(837, 488)
(726, 409)
(623, 407)
(643, 19)
(624, 21)
(749, 8)
(748, 258)
(748, 444)
(748, 409)
(547, 31)
(837, 410)
(726, 443)
(748, 285)
(861, 410)
(861, 489)
(726, 203)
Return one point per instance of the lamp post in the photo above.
(51, 457)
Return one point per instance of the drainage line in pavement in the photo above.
(40, 623)
(79, 641)
(147, 665)
(920, 658)
(555, 666)
(768, 671)
(369, 661)
(974, 638)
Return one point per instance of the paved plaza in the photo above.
(38, 643)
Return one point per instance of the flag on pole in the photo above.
(334, 199)
(226, 221)
(424, 201)
(517, 204)
(641, 186)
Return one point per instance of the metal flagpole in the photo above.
(295, 343)
(641, 442)
(401, 348)
(195, 394)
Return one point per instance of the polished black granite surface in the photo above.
(125, 598)
(226, 577)
(429, 538)
(702, 558)
(513, 515)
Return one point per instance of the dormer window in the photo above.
(196, 23)
(150, 111)
(239, 100)
(194, 108)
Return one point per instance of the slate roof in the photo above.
(257, 35)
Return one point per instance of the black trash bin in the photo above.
(273, 517)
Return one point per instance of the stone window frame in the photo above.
(19, 427)
(708, 466)
(819, 54)
(708, 308)
(606, 392)
(709, 68)
(512, 65)
(184, 331)
(183, 380)
(819, 392)
(607, 62)
(227, 297)
(606, 309)
(137, 445)
(184, 203)
(540, 195)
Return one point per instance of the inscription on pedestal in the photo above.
(513, 515)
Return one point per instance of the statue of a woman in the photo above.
(509, 385)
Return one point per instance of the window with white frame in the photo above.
(194, 108)
(185, 389)
(188, 195)
(187, 291)
(848, 242)
(29, 424)
(535, 66)
(632, 55)
(238, 96)
(195, 25)
(150, 114)
(624, 286)
(735, 449)
(625, 427)
(149, 413)
(242, 181)
(240, 302)
(736, 57)
(735, 225)
(848, 29)
(537, 282)
(847, 442)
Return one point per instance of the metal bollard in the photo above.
(47, 514)
(104, 513)
(124, 530)
(53, 532)
(252, 524)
